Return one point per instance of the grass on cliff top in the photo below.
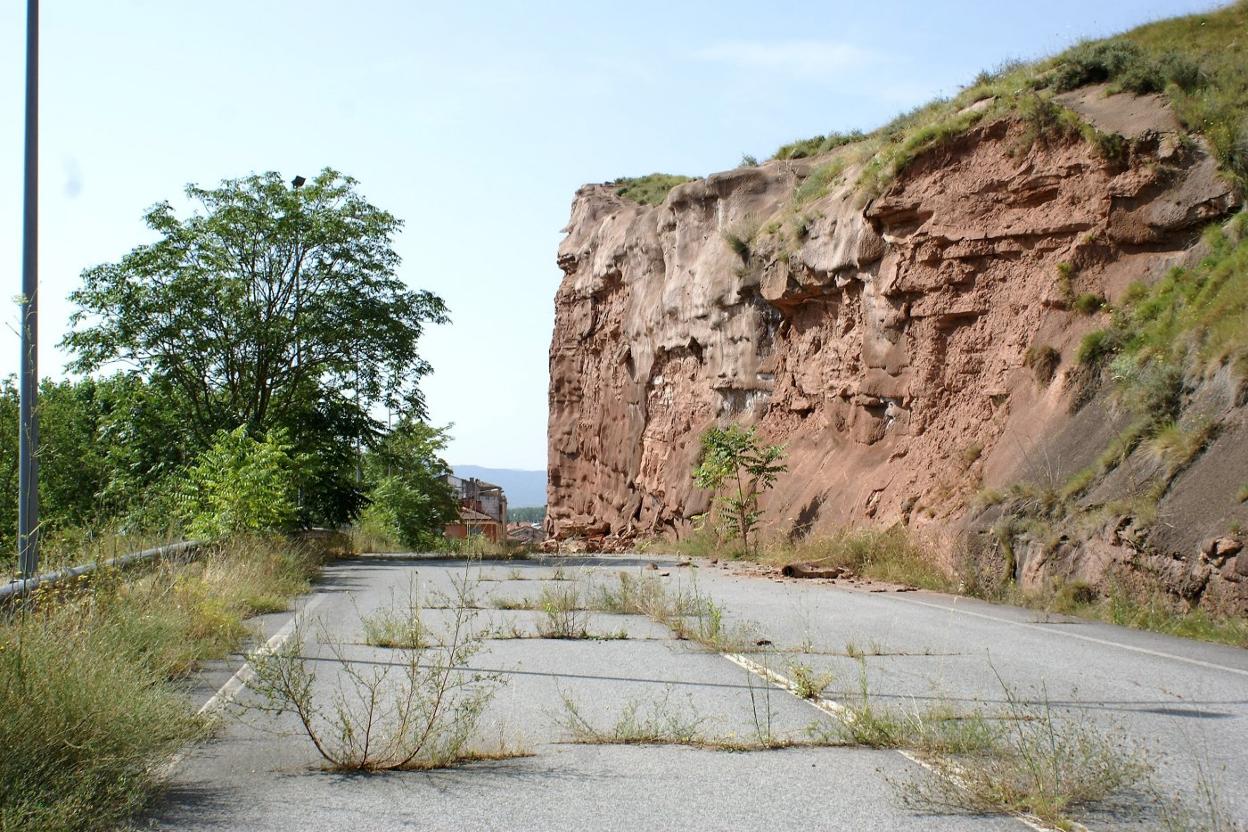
(1200, 62)
(650, 189)
(88, 707)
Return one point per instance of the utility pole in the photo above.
(28, 428)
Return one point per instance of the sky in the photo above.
(474, 122)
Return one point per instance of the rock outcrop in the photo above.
(909, 350)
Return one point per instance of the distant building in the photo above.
(482, 509)
(528, 534)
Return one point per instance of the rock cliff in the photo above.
(912, 350)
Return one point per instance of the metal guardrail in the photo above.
(19, 588)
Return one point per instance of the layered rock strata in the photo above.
(890, 343)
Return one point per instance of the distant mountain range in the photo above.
(523, 488)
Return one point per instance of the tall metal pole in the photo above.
(28, 429)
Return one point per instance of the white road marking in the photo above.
(839, 711)
(1068, 634)
(246, 673)
(226, 693)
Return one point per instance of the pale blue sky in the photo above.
(474, 122)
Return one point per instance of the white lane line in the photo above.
(1068, 634)
(246, 673)
(839, 711)
(226, 693)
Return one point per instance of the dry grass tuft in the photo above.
(891, 555)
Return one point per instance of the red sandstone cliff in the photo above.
(885, 342)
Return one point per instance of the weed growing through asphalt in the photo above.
(1203, 808)
(763, 714)
(1035, 763)
(396, 626)
(562, 615)
(508, 603)
(807, 683)
(664, 722)
(690, 615)
(639, 723)
(419, 711)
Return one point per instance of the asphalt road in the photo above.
(1184, 704)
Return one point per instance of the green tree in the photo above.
(410, 497)
(239, 484)
(268, 306)
(733, 457)
(107, 447)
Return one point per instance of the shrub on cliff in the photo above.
(817, 145)
(1126, 66)
(733, 458)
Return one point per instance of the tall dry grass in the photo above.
(88, 708)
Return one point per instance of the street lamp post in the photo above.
(28, 428)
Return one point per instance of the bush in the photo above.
(1096, 346)
(1107, 60)
(240, 484)
(1044, 120)
(817, 145)
(84, 717)
(740, 245)
(1088, 303)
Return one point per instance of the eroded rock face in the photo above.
(886, 343)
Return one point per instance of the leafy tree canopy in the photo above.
(270, 307)
(411, 499)
(265, 298)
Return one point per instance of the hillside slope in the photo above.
(938, 321)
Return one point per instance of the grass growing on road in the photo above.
(1049, 767)
(690, 615)
(396, 626)
(563, 615)
(420, 711)
(87, 708)
(662, 722)
(938, 729)
(808, 683)
(639, 723)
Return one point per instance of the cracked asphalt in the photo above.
(1185, 704)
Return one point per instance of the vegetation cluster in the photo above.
(231, 374)
(89, 705)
